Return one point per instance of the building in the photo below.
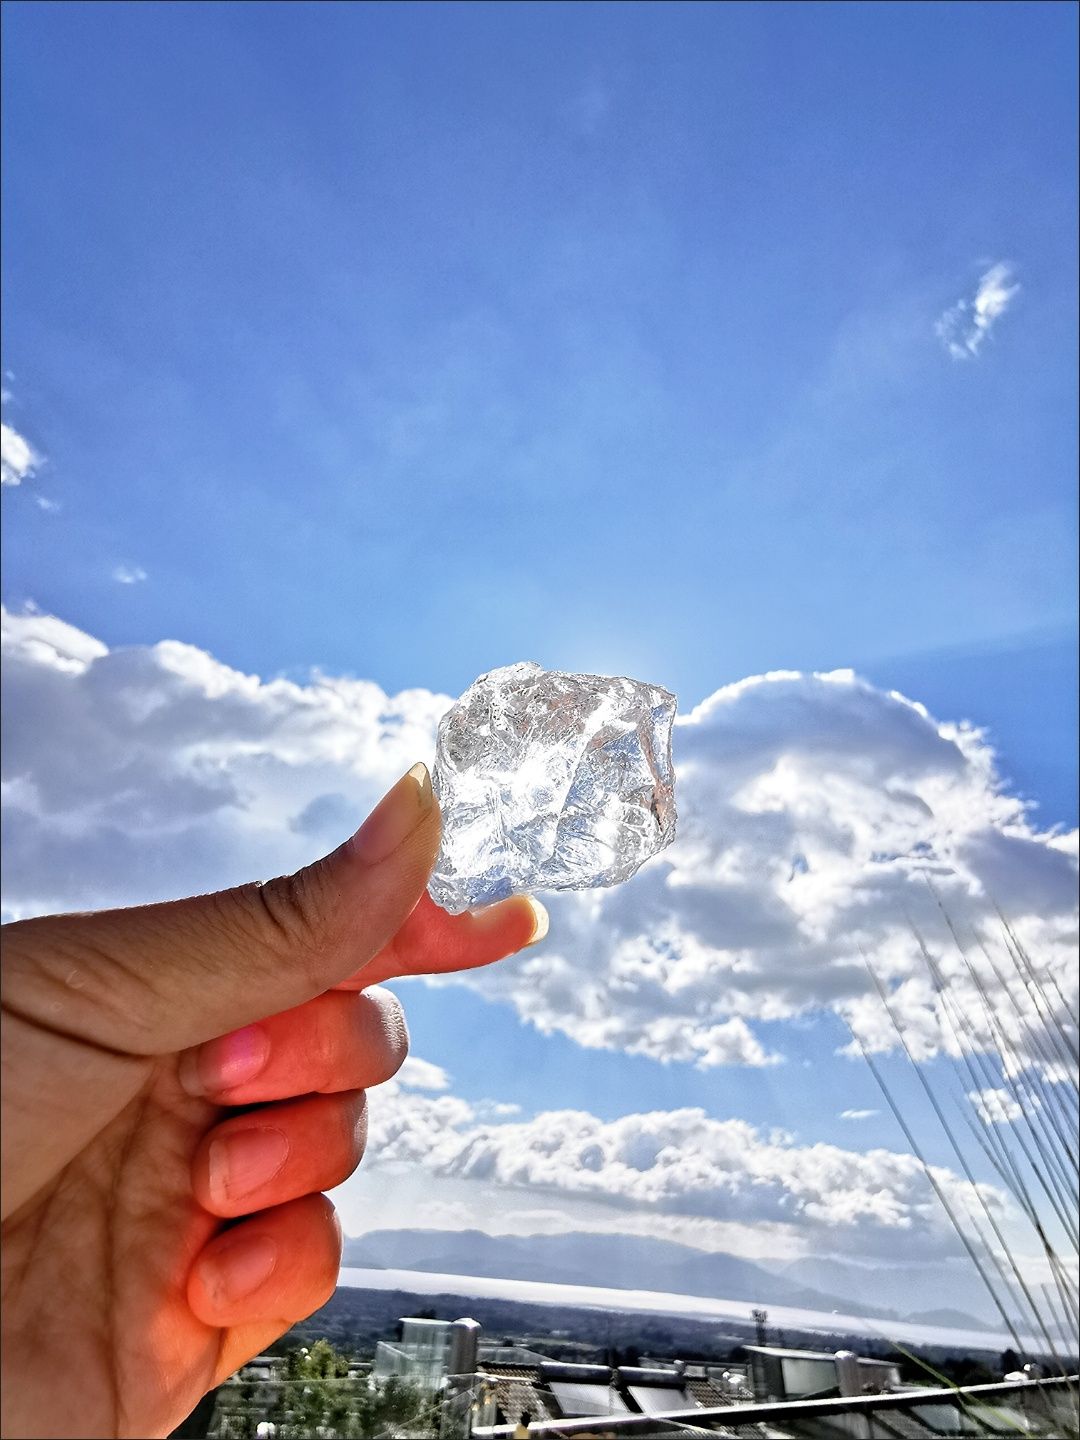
(429, 1351)
(500, 1383)
(810, 1395)
(780, 1373)
(497, 1389)
(1002, 1411)
(550, 1391)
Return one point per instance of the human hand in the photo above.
(152, 1240)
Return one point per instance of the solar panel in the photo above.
(588, 1399)
(656, 1399)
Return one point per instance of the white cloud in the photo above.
(965, 326)
(18, 459)
(681, 1163)
(417, 1074)
(997, 1107)
(43, 502)
(154, 770)
(858, 1114)
(128, 574)
(813, 809)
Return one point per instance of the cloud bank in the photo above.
(681, 1163)
(813, 811)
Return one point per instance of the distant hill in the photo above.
(631, 1262)
(947, 1319)
(914, 1290)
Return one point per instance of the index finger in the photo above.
(431, 942)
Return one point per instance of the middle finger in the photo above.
(338, 1041)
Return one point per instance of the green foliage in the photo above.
(317, 1399)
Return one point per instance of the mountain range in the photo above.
(644, 1263)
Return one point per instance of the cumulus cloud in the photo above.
(147, 772)
(813, 810)
(18, 459)
(128, 574)
(964, 328)
(417, 1074)
(997, 1107)
(682, 1163)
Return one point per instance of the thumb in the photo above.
(160, 978)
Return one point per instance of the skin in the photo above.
(181, 1083)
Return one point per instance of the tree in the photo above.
(320, 1399)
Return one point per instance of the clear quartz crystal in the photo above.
(550, 781)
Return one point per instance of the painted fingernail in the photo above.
(395, 817)
(540, 928)
(243, 1160)
(226, 1062)
(238, 1269)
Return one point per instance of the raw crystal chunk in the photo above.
(549, 781)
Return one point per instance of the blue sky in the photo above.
(403, 341)
(622, 313)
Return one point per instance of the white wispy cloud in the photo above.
(18, 459)
(156, 770)
(43, 502)
(128, 574)
(858, 1114)
(964, 328)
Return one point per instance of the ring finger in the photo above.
(278, 1153)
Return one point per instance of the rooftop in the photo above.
(1046, 1408)
(782, 1352)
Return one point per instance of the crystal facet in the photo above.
(550, 781)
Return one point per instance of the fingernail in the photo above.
(226, 1062)
(244, 1160)
(395, 817)
(540, 928)
(238, 1269)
